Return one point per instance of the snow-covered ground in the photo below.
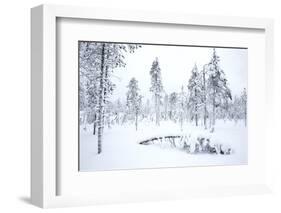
(121, 148)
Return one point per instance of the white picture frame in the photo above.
(44, 154)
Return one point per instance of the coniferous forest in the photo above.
(150, 106)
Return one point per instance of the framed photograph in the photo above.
(130, 106)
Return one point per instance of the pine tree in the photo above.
(92, 101)
(134, 100)
(101, 99)
(100, 60)
(204, 94)
(111, 57)
(218, 90)
(88, 84)
(195, 93)
(156, 88)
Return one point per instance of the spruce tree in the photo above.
(134, 100)
(217, 87)
(195, 93)
(156, 88)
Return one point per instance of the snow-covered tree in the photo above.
(134, 100)
(156, 88)
(195, 94)
(173, 101)
(118, 111)
(166, 106)
(101, 59)
(204, 94)
(88, 84)
(236, 109)
(218, 91)
(244, 103)
(112, 55)
(147, 109)
(181, 107)
(92, 101)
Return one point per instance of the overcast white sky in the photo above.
(176, 63)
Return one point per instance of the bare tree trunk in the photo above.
(101, 103)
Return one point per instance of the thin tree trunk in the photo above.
(225, 111)
(85, 120)
(157, 110)
(210, 122)
(165, 111)
(196, 118)
(95, 124)
(196, 109)
(105, 82)
(136, 122)
(205, 115)
(246, 114)
(105, 85)
(205, 100)
(214, 111)
(101, 103)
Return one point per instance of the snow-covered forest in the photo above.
(150, 106)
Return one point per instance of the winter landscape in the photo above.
(154, 106)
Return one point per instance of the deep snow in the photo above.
(121, 148)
